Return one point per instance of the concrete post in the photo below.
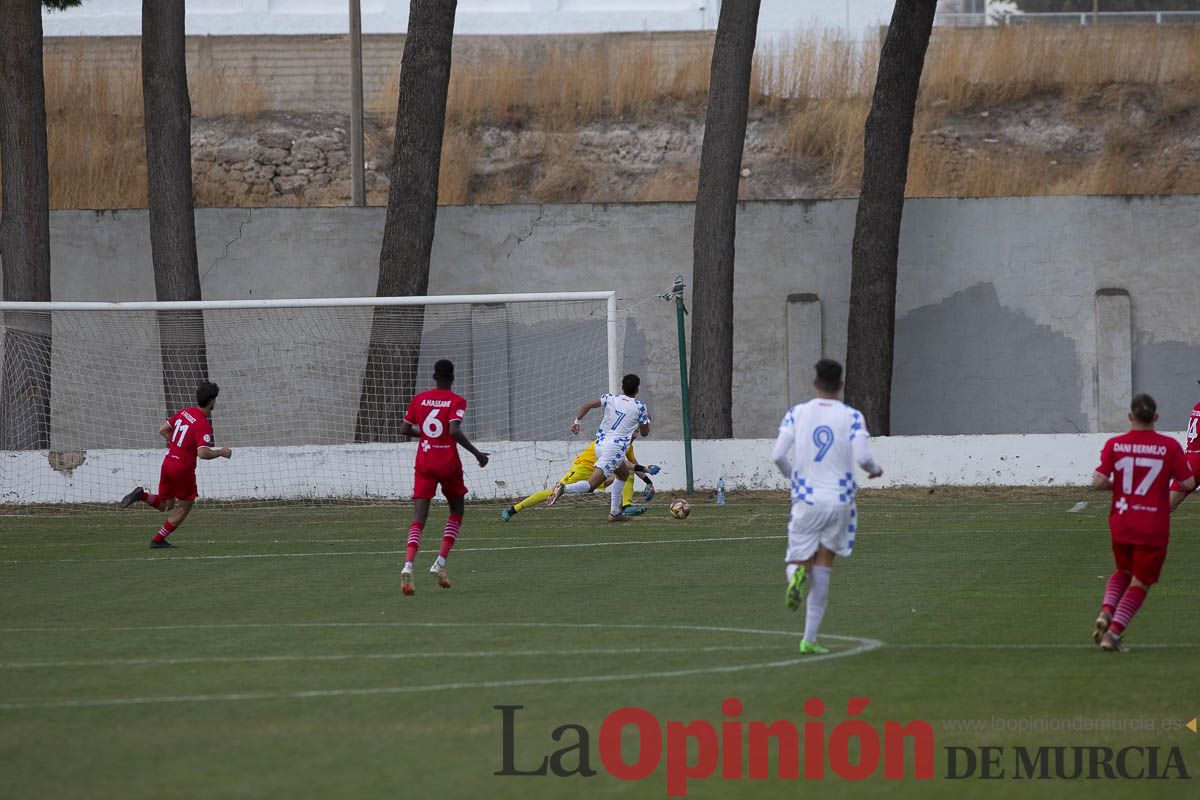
(1114, 359)
(804, 345)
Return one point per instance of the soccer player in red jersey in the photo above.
(1138, 466)
(1178, 493)
(189, 436)
(437, 416)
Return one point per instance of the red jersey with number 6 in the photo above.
(432, 412)
(1141, 465)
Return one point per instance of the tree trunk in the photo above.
(872, 325)
(392, 359)
(168, 115)
(24, 228)
(715, 225)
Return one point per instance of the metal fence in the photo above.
(1070, 18)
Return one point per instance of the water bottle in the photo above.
(720, 491)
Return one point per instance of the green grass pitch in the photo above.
(272, 655)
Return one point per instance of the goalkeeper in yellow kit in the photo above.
(581, 470)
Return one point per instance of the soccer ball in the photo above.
(680, 509)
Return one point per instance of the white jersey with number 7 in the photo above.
(822, 440)
(623, 416)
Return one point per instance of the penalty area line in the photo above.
(862, 645)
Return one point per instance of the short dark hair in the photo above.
(829, 375)
(630, 384)
(443, 370)
(1144, 408)
(206, 392)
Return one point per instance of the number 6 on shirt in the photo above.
(433, 427)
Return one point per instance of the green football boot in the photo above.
(808, 648)
(797, 589)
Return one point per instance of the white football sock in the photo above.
(614, 504)
(579, 487)
(791, 570)
(440, 561)
(818, 596)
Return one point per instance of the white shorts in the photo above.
(832, 525)
(609, 457)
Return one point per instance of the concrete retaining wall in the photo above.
(123, 17)
(367, 472)
(1014, 315)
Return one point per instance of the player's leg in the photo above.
(621, 475)
(582, 486)
(1146, 568)
(1114, 589)
(577, 472)
(820, 572)
(627, 506)
(172, 522)
(178, 487)
(455, 493)
(537, 498)
(424, 487)
(801, 549)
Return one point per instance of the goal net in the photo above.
(312, 392)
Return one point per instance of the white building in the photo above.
(507, 17)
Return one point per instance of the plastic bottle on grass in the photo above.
(720, 491)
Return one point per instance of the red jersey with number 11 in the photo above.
(432, 412)
(1141, 465)
(190, 430)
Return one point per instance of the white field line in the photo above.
(1037, 646)
(230, 626)
(468, 549)
(862, 645)
(337, 553)
(583, 531)
(597, 651)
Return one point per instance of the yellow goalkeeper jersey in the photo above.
(587, 459)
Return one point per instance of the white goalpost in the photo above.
(311, 390)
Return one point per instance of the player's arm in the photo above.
(209, 453)
(456, 432)
(781, 454)
(583, 412)
(164, 431)
(1100, 481)
(644, 422)
(862, 455)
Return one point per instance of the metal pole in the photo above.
(358, 195)
(614, 368)
(680, 311)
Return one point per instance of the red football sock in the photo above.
(451, 535)
(164, 531)
(151, 500)
(1130, 603)
(414, 539)
(1118, 582)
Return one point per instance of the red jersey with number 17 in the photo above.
(190, 430)
(1141, 465)
(432, 412)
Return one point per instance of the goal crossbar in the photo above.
(609, 297)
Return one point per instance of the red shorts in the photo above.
(177, 480)
(1144, 561)
(1194, 463)
(425, 484)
